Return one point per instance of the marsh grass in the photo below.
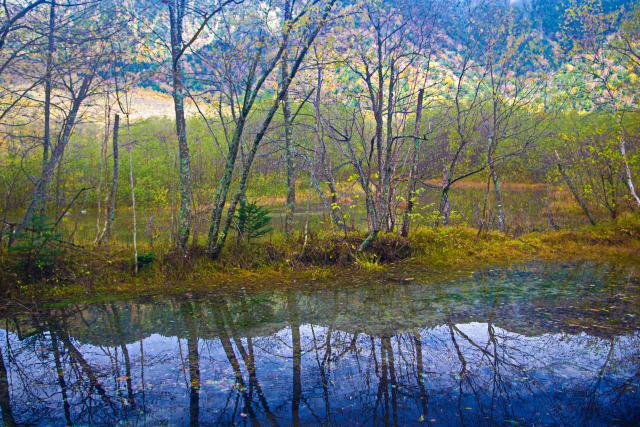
(278, 262)
(368, 262)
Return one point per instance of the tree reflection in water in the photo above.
(503, 347)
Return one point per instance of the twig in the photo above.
(64, 212)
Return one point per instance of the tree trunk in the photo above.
(87, 369)
(47, 173)
(444, 211)
(627, 169)
(386, 171)
(290, 148)
(60, 374)
(125, 353)
(176, 12)
(58, 194)
(325, 167)
(548, 209)
(306, 220)
(296, 348)
(103, 166)
(218, 237)
(291, 170)
(413, 172)
(5, 396)
(111, 210)
(242, 186)
(370, 238)
(610, 204)
(133, 199)
(574, 191)
(496, 187)
(213, 247)
(385, 168)
(194, 363)
(47, 100)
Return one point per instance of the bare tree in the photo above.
(264, 59)
(73, 75)
(178, 10)
(509, 120)
(113, 191)
(391, 55)
(587, 30)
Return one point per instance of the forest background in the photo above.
(172, 124)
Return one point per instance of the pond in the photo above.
(524, 210)
(543, 344)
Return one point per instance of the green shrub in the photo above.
(35, 244)
(145, 259)
(252, 220)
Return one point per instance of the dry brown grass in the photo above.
(146, 103)
(478, 185)
(108, 271)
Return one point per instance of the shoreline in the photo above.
(326, 261)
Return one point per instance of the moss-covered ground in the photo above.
(324, 260)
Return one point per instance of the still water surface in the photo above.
(530, 344)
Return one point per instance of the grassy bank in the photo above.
(321, 261)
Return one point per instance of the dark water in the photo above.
(534, 345)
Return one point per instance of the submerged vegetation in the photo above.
(495, 344)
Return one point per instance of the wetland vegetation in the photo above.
(294, 212)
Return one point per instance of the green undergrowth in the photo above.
(319, 260)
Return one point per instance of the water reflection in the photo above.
(533, 345)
